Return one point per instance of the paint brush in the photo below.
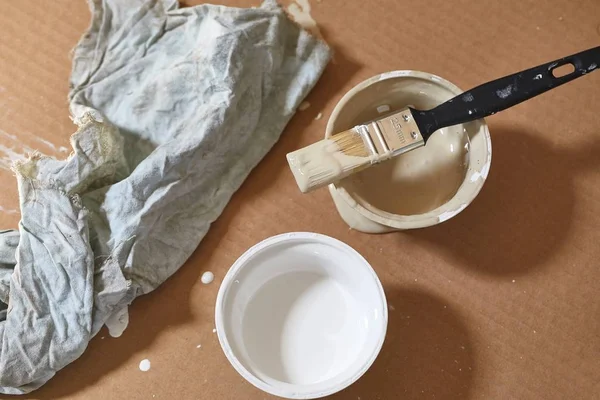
(358, 148)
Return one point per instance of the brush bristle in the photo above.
(351, 143)
(328, 160)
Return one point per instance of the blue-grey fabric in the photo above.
(174, 108)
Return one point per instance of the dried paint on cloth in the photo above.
(174, 108)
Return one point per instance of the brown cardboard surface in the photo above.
(501, 302)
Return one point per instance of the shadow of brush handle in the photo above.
(503, 93)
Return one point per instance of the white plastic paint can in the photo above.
(420, 188)
(301, 315)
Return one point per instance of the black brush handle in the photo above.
(500, 94)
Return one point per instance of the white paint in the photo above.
(537, 77)
(10, 153)
(304, 106)
(8, 211)
(504, 93)
(10, 156)
(321, 163)
(145, 365)
(383, 109)
(117, 322)
(308, 317)
(198, 346)
(207, 277)
(449, 214)
(46, 143)
(592, 67)
(476, 175)
(63, 149)
(319, 116)
(299, 11)
(485, 170)
(215, 330)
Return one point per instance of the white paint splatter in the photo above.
(117, 322)
(46, 142)
(215, 330)
(592, 67)
(382, 109)
(319, 116)
(299, 11)
(467, 97)
(145, 365)
(513, 281)
(476, 175)
(504, 93)
(13, 152)
(537, 77)
(8, 211)
(63, 149)
(207, 277)
(198, 346)
(449, 214)
(304, 106)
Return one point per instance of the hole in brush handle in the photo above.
(563, 70)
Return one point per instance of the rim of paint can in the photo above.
(465, 195)
(301, 391)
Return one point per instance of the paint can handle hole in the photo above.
(563, 70)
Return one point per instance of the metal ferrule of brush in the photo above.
(391, 135)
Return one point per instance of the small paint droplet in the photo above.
(534, 331)
(145, 365)
(198, 346)
(304, 106)
(560, 18)
(207, 277)
(415, 279)
(391, 307)
(319, 116)
(236, 281)
(444, 306)
(383, 108)
(102, 337)
(63, 149)
(514, 281)
(214, 331)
